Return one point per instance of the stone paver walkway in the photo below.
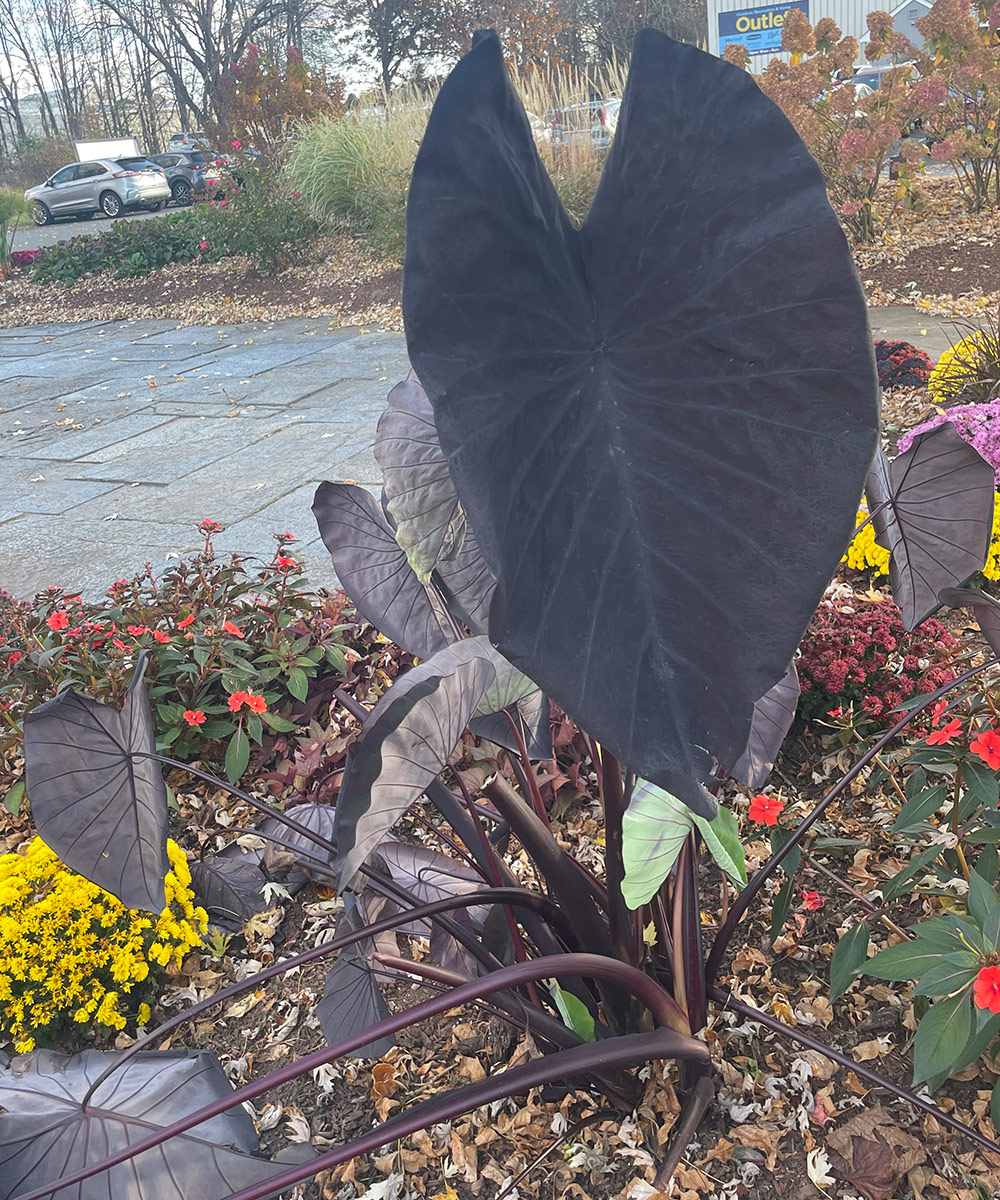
(117, 437)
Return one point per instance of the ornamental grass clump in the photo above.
(858, 653)
(71, 955)
(969, 370)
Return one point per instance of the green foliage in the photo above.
(232, 652)
(13, 209)
(257, 220)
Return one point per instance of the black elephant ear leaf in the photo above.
(231, 890)
(373, 570)
(680, 393)
(96, 799)
(45, 1133)
(352, 999)
(430, 875)
(532, 716)
(430, 520)
(467, 585)
(407, 740)
(316, 861)
(932, 509)
(773, 715)
(985, 608)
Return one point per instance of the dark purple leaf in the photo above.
(95, 799)
(932, 509)
(373, 570)
(430, 875)
(45, 1134)
(467, 585)
(679, 395)
(406, 742)
(985, 609)
(773, 715)
(430, 522)
(229, 889)
(315, 860)
(532, 716)
(352, 999)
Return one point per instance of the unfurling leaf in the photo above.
(96, 799)
(635, 413)
(932, 509)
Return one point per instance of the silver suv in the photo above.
(106, 185)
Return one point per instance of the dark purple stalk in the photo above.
(698, 1099)
(533, 789)
(519, 896)
(871, 517)
(581, 1060)
(691, 948)
(760, 877)
(619, 917)
(648, 992)
(727, 1000)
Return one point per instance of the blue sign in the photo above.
(759, 29)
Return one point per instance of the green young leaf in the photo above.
(849, 956)
(653, 830)
(298, 684)
(980, 783)
(953, 971)
(237, 755)
(12, 800)
(278, 724)
(995, 1105)
(920, 806)
(573, 1012)
(898, 883)
(983, 906)
(909, 960)
(722, 837)
(337, 659)
(783, 900)
(941, 1036)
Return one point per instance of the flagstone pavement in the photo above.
(117, 437)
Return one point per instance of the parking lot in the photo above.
(37, 237)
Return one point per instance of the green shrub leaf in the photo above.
(941, 1036)
(237, 755)
(849, 956)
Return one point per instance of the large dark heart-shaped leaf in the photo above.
(419, 493)
(430, 875)
(532, 715)
(95, 799)
(932, 509)
(373, 570)
(45, 1134)
(352, 999)
(314, 859)
(773, 715)
(659, 426)
(407, 741)
(231, 890)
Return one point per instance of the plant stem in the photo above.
(956, 798)
(619, 918)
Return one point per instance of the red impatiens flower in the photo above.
(765, 810)
(237, 700)
(161, 637)
(286, 536)
(836, 712)
(987, 746)
(986, 989)
(138, 630)
(229, 627)
(194, 716)
(58, 620)
(812, 900)
(119, 643)
(209, 526)
(256, 704)
(938, 710)
(14, 658)
(942, 736)
(285, 563)
(188, 620)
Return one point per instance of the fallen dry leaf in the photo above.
(872, 1153)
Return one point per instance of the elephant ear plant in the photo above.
(621, 474)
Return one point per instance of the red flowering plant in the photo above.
(214, 629)
(857, 657)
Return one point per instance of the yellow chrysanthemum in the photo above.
(72, 953)
(970, 360)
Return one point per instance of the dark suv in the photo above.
(189, 173)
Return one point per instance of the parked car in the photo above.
(872, 77)
(189, 173)
(110, 186)
(195, 139)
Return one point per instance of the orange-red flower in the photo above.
(58, 620)
(812, 900)
(987, 746)
(938, 710)
(256, 704)
(138, 630)
(765, 810)
(194, 716)
(229, 627)
(944, 735)
(285, 563)
(188, 620)
(237, 700)
(161, 637)
(14, 658)
(986, 989)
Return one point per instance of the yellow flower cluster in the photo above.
(865, 554)
(955, 365)
(70, 952)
